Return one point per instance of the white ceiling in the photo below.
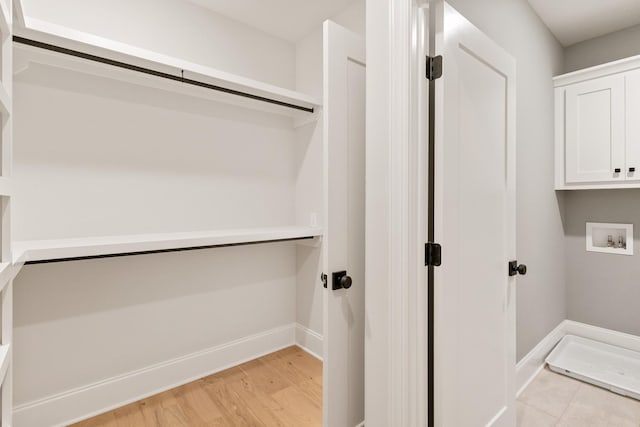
(573, 21)
(287, 19)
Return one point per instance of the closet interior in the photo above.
(171, 198)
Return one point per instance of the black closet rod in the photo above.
(149, 71)
(160, 251)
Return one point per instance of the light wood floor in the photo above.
(280, 389)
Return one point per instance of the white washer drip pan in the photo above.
(604, 365)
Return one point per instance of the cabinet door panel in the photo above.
(633, 126)
(595, 134)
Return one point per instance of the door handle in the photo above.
(616, 170)
(341, 280)
(514, 268)
(632, 170)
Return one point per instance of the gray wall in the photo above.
(541, 294)
(602, 289)
(599, 50)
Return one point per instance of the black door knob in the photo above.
(340, 280)
(514, 268)
(345, 282)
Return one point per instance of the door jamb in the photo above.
(408, 213)
(396, 312)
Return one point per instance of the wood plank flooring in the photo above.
(279, 389)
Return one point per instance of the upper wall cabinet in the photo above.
(594, 131)
(598, 127)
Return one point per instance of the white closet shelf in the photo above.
(95, 46)
(35, 251)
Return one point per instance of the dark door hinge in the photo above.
(432, 254)
(434, 67)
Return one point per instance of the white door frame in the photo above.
(395, 348)
(395, 338)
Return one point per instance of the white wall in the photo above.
(353, 17)
(309, 49)
(599, 50)
(82, 322)
(110, 158)
(541, 303)
(309, 187)
(177, 28)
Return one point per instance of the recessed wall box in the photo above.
(610, 238)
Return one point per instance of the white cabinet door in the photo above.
(632, 165)
(344, 133)
(595, 130)
(475, 146)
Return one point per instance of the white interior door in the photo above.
(344, 133)
(595, 130)
(475, 224)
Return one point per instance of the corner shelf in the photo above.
(132, 58)
(40, 251)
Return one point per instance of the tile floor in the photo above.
(557, 400)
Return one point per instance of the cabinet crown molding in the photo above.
(602, 70)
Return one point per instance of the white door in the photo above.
(595, 130)
(344, 127)
(475, 224)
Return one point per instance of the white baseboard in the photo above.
(607, 336)
(310, 341)
(87, 401)
(532, 363)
